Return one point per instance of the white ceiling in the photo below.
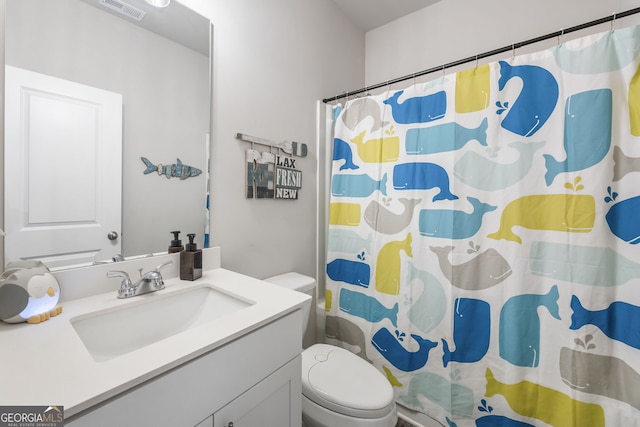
(175, 22)
(369, 14)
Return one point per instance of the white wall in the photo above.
(450, 30)
(273, 59)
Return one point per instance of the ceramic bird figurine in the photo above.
(28, 293)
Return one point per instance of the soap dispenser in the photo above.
(176, 243)
(191, 261)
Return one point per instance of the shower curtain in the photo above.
(482, 242)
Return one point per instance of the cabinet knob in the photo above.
(230, 424)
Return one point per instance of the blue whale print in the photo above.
(351, 272)
(363, 185)
(588, 265)
(587, 132)
(499, 421)
(342, 151)
(366, 307)
(420, 109)
(422, 176)
(520, 327)
(453, 224)
(391, 349)
(443, 138)
(536, 101)
(430, 308)
(614, 51)
(623, 220)
(454, 398)
(348, 241)
(485, 174)
(619, 321)
(471, 331)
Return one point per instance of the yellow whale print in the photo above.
(570, 213)
(391, 378)
(388, 265)
(344, 214)
(472, 89)
(551, 406)
(328, 300)
(377, 150)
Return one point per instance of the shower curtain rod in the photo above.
(511, 47)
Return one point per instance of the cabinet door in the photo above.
(274, 401)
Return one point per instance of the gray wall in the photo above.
(166, 104)
(450, 30)
(273, 59)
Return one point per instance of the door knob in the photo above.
(113, 235)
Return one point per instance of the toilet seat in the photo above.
(340, 381)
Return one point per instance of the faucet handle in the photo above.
(164, 264)
(158, 281)
(126, 287)
(125, 276)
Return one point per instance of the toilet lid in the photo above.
(340, 381)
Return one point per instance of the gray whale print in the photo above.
(598, 374)
(359, 110)
(384, 221)
(337, 328)
(484, 271)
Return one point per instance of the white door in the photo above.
(63, 170)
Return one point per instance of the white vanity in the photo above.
(220, 351)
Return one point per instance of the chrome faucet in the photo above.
(150, 281)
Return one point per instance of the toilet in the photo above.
(339, 389)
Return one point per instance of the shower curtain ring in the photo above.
(613, 22)
(513, 51)
(476, 60)
(560, 36)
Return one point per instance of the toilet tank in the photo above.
(300, 283)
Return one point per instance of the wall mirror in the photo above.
(158, 60)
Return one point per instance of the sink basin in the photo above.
(150, 318)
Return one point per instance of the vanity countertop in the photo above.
(48, 364)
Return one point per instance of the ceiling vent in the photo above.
(124, 9)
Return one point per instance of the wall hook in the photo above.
(290, 147)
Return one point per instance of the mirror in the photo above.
(161, 67)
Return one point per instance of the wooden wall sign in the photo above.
(260, 174)
(288, 178)
(272, 177)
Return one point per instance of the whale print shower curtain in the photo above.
(483, 239)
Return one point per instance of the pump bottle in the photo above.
(191, 260)
(176, 243)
